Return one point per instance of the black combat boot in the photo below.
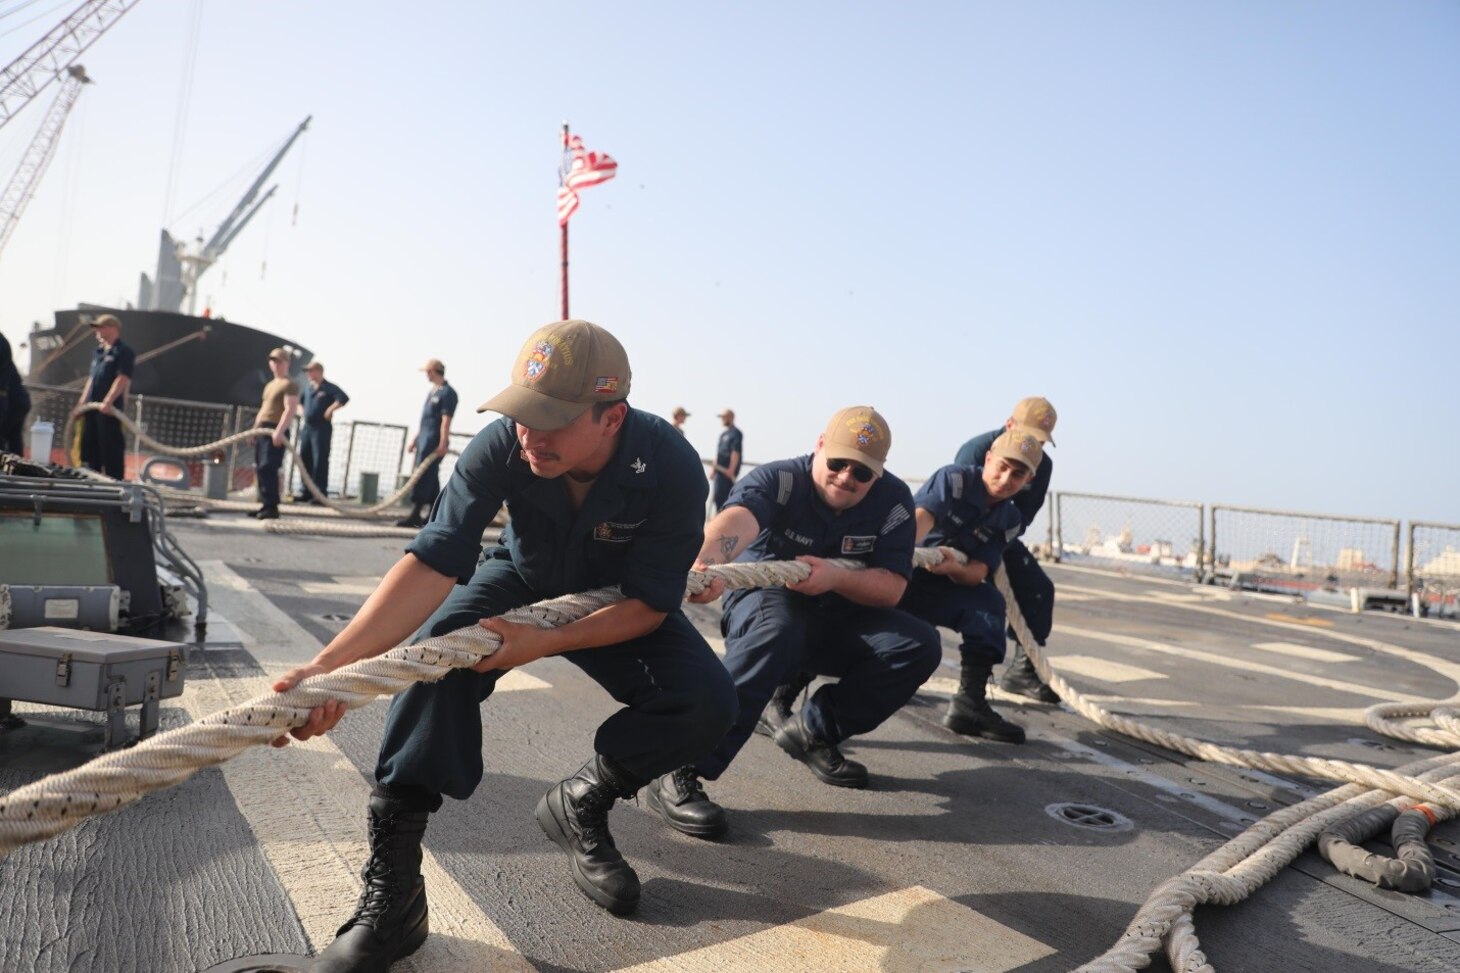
(574, 813)
(969, 712)
(778, 710)
(824, 759)
(681, 799)
(390, 918)
(1021, 678)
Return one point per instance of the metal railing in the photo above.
(1293, 551)
(1132, 533)
(1432, 568)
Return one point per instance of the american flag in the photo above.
(580, 169)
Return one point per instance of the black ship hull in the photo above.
(179, 356)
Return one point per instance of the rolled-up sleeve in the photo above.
(451, 541)
(664, 549)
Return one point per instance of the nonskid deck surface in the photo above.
(956, 858)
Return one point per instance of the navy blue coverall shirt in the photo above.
(103, 444)
(1031, 586)
(965, 520)
(640, 527)
(730, 442)
(316, 432)
(771, 634)
(440, 401)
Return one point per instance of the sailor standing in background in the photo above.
(103, 444)
(677, 418)
(432, 438)
(318, 405)
(280, 400)
(727, 460)
(1033, 591)
(14, 405)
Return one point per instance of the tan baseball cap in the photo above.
(102, 320)
(1021, 445)
(727, 412)
(859, 433)
(433, 365)
(316, 363)
(278, 354)
(680, 411)
(1038, 416)
(564, 368)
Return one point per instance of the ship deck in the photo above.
(955, 859)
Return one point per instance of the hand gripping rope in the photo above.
(1225, 877)
(208, 449)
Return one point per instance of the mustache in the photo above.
(541, 454)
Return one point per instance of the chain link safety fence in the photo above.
(1295, 553)
(370, 447)
(1164, 537)
(181, 423)
(1433, 570)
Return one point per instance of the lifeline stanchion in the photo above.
(208, 449)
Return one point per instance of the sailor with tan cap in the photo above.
(968, 509)
(1033, 591)
(600, 494)
(276, 410)
(677, 418)
(837, 502)
(103, 444)
(433, 438)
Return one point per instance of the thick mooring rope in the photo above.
(208, 449)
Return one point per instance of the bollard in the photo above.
(369, 488)
(215, 479)
(42, 436)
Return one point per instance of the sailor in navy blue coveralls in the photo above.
(1033, 590)
(103, 443)
(812, 507)
(599, 494)
(440, 403)
(955, 511)
(316, 430)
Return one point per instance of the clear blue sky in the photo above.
(1224, 239)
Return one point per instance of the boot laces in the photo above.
(688, 783)
(592, 813)
(380, 891)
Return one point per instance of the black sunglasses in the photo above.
(860, 473)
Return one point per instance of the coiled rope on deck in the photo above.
(208, 449)
(1243, 865)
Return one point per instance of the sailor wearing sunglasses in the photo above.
(837, 502)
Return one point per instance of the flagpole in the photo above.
(564, 245)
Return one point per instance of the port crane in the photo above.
(50, 57)
(38, 155)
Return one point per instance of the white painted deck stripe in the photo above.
(912, 930)
(1445, 667)
(1304, 652)
(1093, 667)
(1229, 662)
(306, 803)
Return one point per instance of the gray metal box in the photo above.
(90, 670)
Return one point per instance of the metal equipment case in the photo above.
(90, 670)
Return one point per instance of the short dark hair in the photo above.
(599, 408)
